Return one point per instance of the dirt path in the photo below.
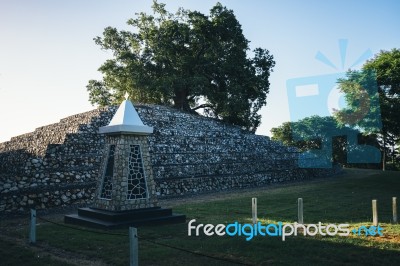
(244, 192)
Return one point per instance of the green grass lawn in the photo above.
(13, 254)
(343, 199)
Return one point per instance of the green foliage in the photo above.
(387, 67)
(386, 64)
(363, 107)
(382, 74)
(188, 60)
(310, 132)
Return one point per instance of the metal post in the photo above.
(374, 213)
(133, 247)
(32, 231)
(254, 209)
(394, 207)
(300, 210)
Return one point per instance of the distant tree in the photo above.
(287, 132)
(382, 73)
(188, 60)
(310, 132)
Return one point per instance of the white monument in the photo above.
(126, 191)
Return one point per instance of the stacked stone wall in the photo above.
(58, 165)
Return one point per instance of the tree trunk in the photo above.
(384, 154)
(180, 100)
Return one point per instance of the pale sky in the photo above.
(47, 52)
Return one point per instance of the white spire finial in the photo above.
(126, 95)
(126, 120)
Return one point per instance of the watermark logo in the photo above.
(320, 95)
(249, 231)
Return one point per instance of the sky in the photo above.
(47, 52)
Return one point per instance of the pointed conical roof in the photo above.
(126, 120)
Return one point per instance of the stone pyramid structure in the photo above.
(57, 165)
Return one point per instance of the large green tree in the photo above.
(373, 95)
(187, 60)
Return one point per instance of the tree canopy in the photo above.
(386, 64)
(335, 140)
(310, 133)
(188, 60)
(374, 93)
(370, 118)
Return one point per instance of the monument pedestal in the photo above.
(103, 219)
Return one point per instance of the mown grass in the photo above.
(344, 199)
(13, 254)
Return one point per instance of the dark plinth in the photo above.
(103, 219)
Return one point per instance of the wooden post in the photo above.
(374, 213)
(394, 207)
(32, 230)
(300, 210)
(133, 247)
(254, 209)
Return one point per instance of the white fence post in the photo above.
(32, 231)
(254, 209)
(374, 213)
(133, 247)
(300, 210)
(394, 207)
